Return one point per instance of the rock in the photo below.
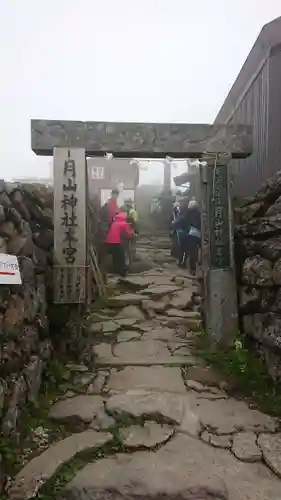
(3, 392)
(190, 323)
(7, 229)
(261, 228)
(159, 291)
(126, 321)
(155, 378)
(151, 305)
(190, 423)
(5, 200)
(226, 416)
(104, 327)
(159, 333)
(2, 476)
(207, 375)
(257, 271)
(265, 328)
(137, 282)
(183, 314)
(245, 447)
(98, 384)
(110, 327)
(270, 445)
(14, 316)
(182, 299)
(140, 349)
(33, 375)
(217, 441)
(249, 299)
(83, 380)
(102, 350)
(276, 272)
(127, 335)
(196, 386)
(102, 421)
(41, 468)
(131, 312)
(148, 436)
(18, 398)
(78, 408)
(184, 468)
(125, 299)
(76, 368)
(3, 245)
(95, 328)
(27, 270)
(165, 406)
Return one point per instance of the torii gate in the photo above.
(71, 141)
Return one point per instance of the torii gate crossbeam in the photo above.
(141, 140)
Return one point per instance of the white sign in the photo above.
(98, 173)
(70, 230)
(9, 270)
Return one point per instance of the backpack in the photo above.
(104, 213)
(104, 224)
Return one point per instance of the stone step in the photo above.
(40, 469)
(153, 361)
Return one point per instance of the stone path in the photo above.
(179, 434)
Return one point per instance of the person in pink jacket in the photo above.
(118, 230)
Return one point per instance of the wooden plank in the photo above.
(70, 250)
(184, 178)
(141, 140)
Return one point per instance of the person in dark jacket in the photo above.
(180, 228)
(193, 216)
(188, 227)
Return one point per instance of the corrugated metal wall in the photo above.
(274, 115)
(253, 110)
(255, 99)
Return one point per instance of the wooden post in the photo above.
(70, 226)
(167, 177)
(220, 297)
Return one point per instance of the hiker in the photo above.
(118, 230)
(173, 232)
(112, 207)
(107, 214)
(130, 210)
(193, 217)
(180, 228)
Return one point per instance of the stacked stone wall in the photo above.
(26, 230)
(258, 262)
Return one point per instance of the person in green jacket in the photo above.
(132, 215)
(131, 212)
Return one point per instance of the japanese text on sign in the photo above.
(9, 270)
(70, 226)
(219, 211)
(68, 204)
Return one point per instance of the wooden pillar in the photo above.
(167, 177)
(70, 225)
(220, 295)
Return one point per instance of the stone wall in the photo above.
(258, 260)
(26, 230)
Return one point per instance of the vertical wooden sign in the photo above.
(70, 225)
(220, 247)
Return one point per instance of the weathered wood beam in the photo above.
(179, 180)
(141, 140)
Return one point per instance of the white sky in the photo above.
(117, 60)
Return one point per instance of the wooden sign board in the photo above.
(70, 243)
(220, 250)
